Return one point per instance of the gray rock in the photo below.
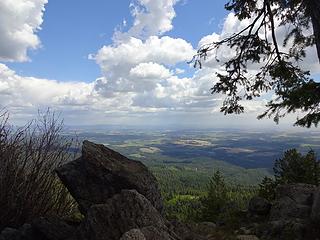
(153, 233)
(315, 211)
(288, 229)
(25, 232)
(53, 229)
(187, 231)
(259, 206)
(10, 234)
(206, 228)
(147, 233)
(133, 234)
(247, 237)
(121, 213)
(100, 173)
(292, 201)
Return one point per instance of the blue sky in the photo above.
(74, 29)
(120, 62)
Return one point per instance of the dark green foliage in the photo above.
(224, 202)
(267, 188)
(215, 202)
(294, 167)
(279, 69)
(184, 208)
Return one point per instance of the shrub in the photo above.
(28, 185)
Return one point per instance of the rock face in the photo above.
(101, 173)
(259, 206)
(123, 212)
(120, 199)
(293, 213)
(133, 234)
(40, 229)
(292, 201)
(315, 210)
(53, 229)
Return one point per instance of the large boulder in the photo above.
(40, 229)
(292, 201)
(146, 233)
(133, 234)
(100, 173)
(118, 215)
(259, 206)
(315, 211)
(53, 228)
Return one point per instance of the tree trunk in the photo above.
(314, 6)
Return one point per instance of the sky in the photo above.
(102, 62)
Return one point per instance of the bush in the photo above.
(184, 208)
(28, 185)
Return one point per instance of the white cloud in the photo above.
(19, 22)
(138, 65)
(149, 70)
(18, 91)
(141, 74)
(151, 18)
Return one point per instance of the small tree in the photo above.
(29, 187)
(267, 188)
(294, 167)
(216, 199)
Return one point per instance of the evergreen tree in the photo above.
(294, 167)
(217, 198)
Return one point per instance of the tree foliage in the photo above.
(279, 69)
(223, 202)
(294, 167)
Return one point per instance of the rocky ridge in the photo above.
(120, 200)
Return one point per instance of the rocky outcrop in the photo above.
(120, 199)
(133, 234)
(259, 206)
(315, 210)
(41, 229)
(293, 201)
(123, 212)
(293, 213)
(100, 173)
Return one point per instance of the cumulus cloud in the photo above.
(19, 22)
(18, 91)
(151, 18)
(141, 69)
